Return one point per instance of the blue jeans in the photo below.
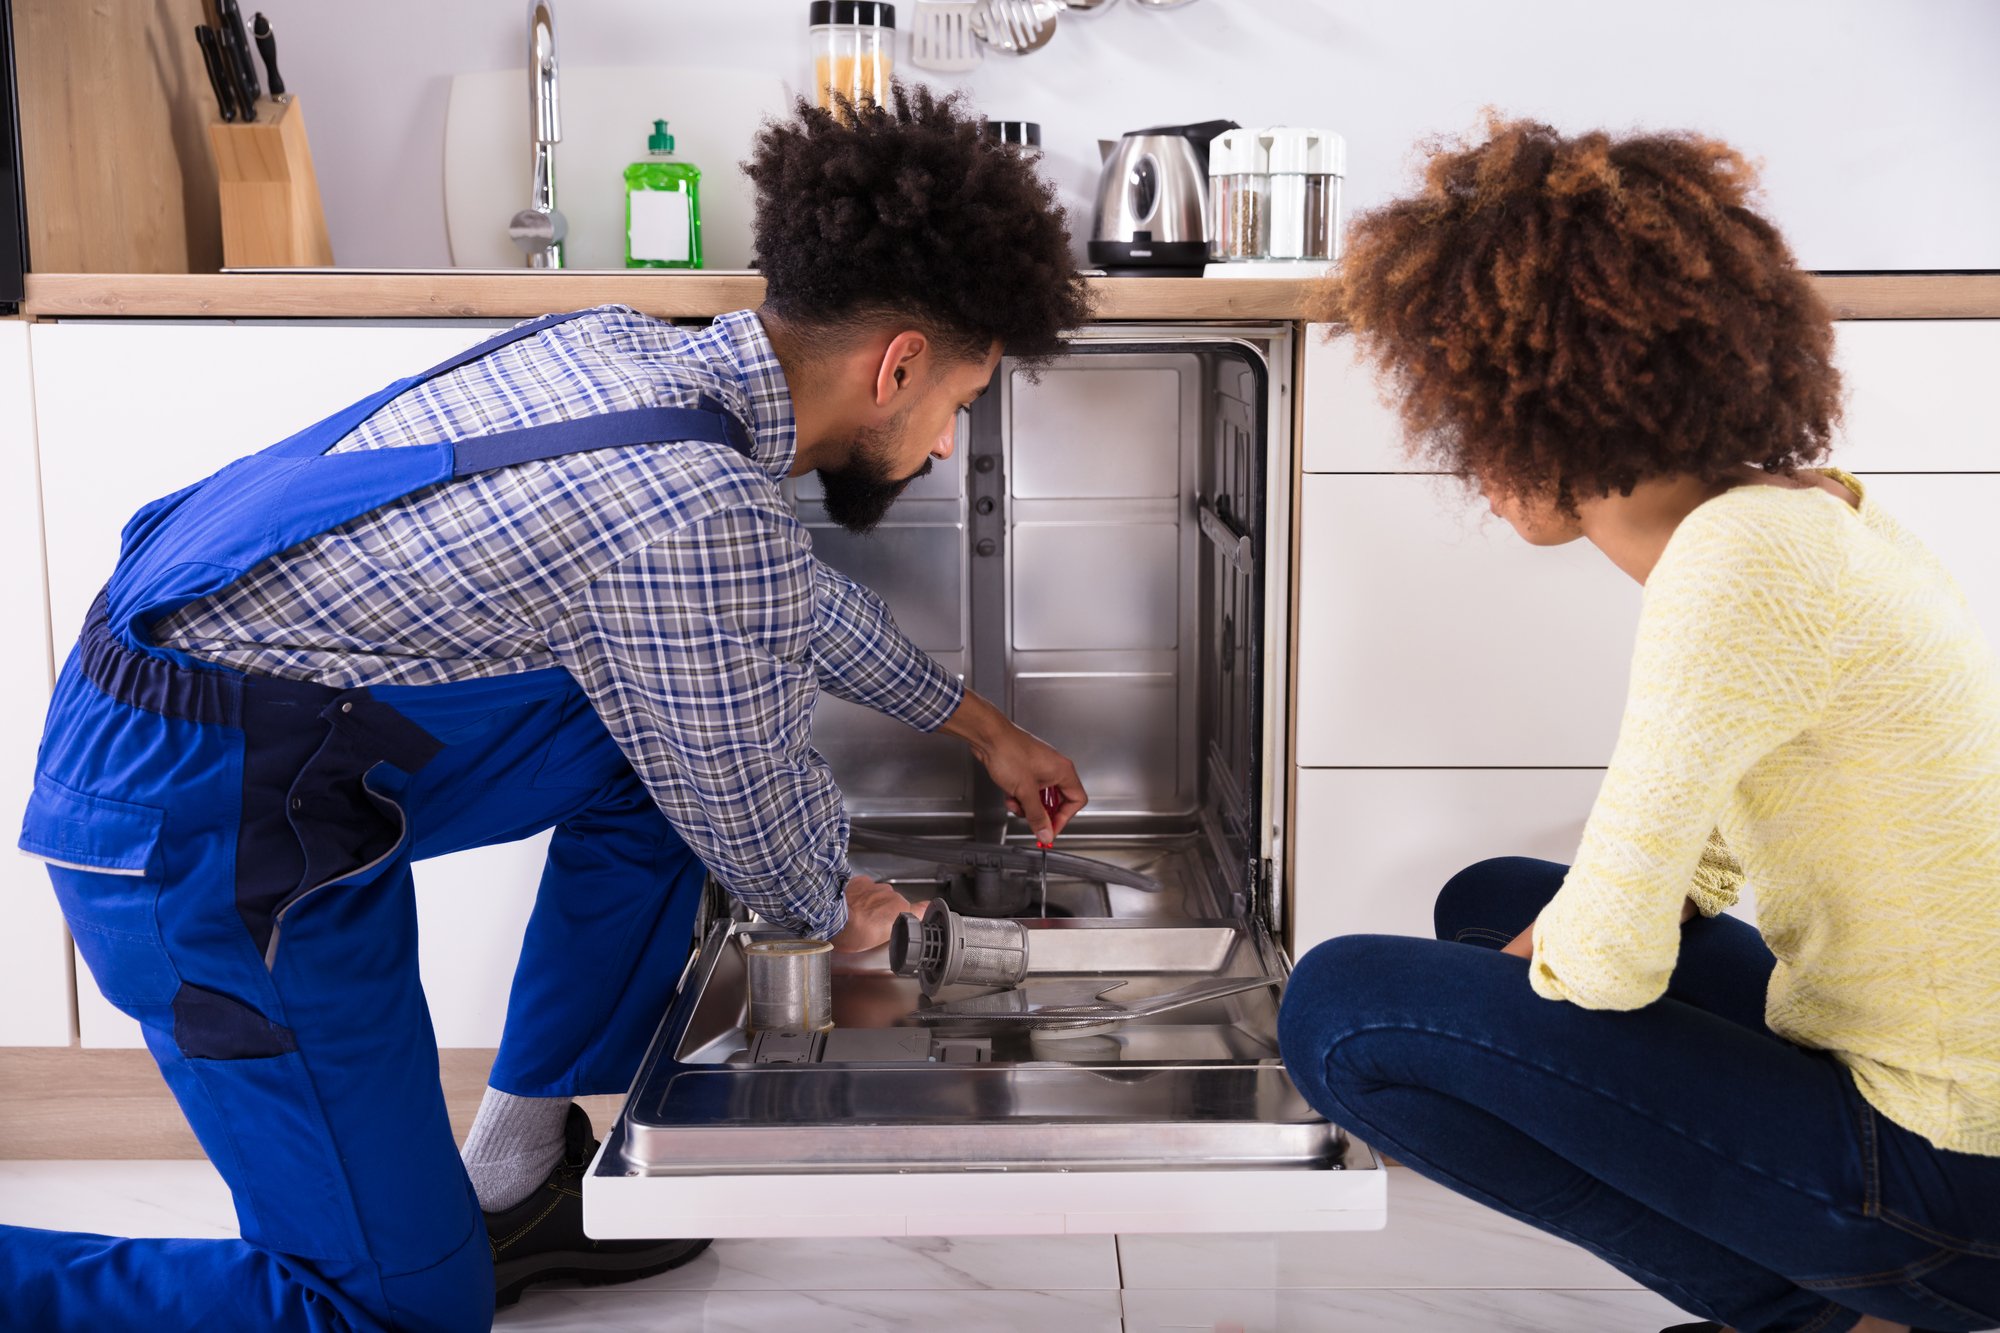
(1738, 1175)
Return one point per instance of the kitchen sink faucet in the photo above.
(539, 229)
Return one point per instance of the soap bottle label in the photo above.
(660, 224)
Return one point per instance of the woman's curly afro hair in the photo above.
(1563, 318)
(908, 211)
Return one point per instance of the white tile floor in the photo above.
(1442, 1266)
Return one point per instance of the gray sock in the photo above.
(515, 1142)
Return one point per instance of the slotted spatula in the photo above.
(943, 39)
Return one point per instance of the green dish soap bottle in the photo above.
(662, 207)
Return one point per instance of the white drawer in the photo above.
(1374, 846)
(1921, 396)
(34, 968)
(1347, 426)
(1430, 635)
(211, 393)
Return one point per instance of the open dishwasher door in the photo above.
(1093, 559)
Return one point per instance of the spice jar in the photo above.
(853, 51)
(1306, 167)
(1239, 186)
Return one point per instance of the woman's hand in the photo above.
(1020, 763)
(1523, 944)
(872, 909)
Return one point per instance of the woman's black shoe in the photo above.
(1700, 1326)
(540, 1239)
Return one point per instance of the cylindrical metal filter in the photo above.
(790, 984)
(947, 949)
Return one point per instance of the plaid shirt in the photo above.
(673, 581)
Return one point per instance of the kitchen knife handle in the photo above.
(267, 46)
(232, 76)
(204, 37)
(239, 43)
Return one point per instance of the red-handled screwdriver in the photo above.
(1052, 801)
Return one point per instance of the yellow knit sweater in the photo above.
(1810, 691)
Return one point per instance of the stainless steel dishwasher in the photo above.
(1107, 557)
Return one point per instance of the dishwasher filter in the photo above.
(946, 949)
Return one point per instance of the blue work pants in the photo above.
(292, 1027)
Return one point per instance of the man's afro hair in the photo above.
(909, 211)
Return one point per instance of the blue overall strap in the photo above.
(710, 422)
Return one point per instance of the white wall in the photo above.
(1875, 117)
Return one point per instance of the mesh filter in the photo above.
(947, 949)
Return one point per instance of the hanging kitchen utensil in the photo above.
(943, 39)
(1017, 27)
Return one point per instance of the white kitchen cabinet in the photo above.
(34, 951)
(1920, 397)
(1430, 635)
(130, 411)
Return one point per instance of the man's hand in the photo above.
(1021, 765)
(872, 908)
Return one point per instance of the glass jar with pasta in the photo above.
(853, 51)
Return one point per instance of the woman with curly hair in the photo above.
(1792, 1126)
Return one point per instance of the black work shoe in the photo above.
(540, 1239)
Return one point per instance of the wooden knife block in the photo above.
(271, 213)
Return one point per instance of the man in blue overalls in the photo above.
(552, 583)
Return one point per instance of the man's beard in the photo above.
(859, 492)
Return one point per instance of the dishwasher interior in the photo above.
(1104, 558)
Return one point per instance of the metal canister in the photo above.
(790, 984)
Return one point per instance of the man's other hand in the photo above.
(872, 908)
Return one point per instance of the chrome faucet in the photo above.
(539, 229)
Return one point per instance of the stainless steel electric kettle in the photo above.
(1151, 218)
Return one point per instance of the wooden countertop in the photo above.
(447, 294)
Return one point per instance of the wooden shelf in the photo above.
(519, 296)
(337, 295)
